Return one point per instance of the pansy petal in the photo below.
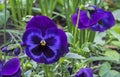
(0, 74)
(97, 27)
(84, 72)
(83, 21)
(57, 46)
(1, 65)
(41, 22)
(84, 18)
(48, 52)
(11, 67)
(17, 74)
(81, 26)
(32, 36)
(97, 15)
(64, 43)
(61, 39)
(105, 23)
(108, 20)
(50, 41)
(74, 19)
(37, 50)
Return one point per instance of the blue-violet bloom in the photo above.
(5, 49)
(105, 22)
(96, 19)
(11, 68)
(44, 42)
(84, 72)
(17, 51)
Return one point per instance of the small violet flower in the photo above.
(84, 72)
(96, 19)
(44, 42)
(5, 49)
(17, 51)
(11, 68)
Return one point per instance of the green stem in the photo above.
(43, 11)
(76, 28)
(18, 10)
(66, 6)
(62, 70)
(81, 38)
(27, 8)
(13, 10)
(91, 36)
(5, 55)
(45, 67)
(0, 54)
(30, 7)
(52, 6)
(20, 48)
(5, 23)
(22, 8)
(23, 67)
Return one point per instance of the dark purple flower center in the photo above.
(91, 11)
(83, 75)
(100, 22)
(43, 46)
(43, 49)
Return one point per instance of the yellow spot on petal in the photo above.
(42, 43)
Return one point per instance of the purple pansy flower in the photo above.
(11, 68)
(44, 42)
(84, 72)
(105, 22)
(96, 19)
(85, 20)
(17, 51)
(5, 49)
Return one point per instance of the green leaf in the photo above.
(116, 28)
(116, 35)
(99, 58)
(85, 47)
(112, 54)
(2, 16)
(2, 6)
(12, 46)
(116, 43)
(116, 14)
(27, 18)
(69, 37)
(61, 2)
(74, 56)
(98, 38)
(105, 68)
(34, 64)
(118, 75)
(28, 73)
(112, 73)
